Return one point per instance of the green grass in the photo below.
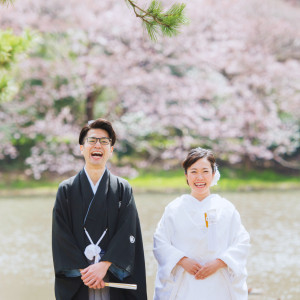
(28, 184)
(230, 180)
(164, 181)
(159, 180)
(27, 187)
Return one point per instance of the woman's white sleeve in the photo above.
(165, 253)
(235, 256)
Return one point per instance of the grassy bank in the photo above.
(164, 181)
(231, 180)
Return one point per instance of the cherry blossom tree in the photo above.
(228, 82)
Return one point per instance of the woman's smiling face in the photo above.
(199, 176)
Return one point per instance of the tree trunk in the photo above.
(247, 163)
(90, 104)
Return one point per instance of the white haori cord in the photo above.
(93, 250)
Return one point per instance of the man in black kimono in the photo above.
(96, 235)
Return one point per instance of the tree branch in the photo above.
(154, 18)
(286, 164)
(6, 1)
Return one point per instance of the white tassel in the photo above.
(93, 250)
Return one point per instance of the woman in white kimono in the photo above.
(200, 244)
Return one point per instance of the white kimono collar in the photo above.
(195, 200)
(94, 187)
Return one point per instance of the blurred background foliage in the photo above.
(229, 82)
(11, 47)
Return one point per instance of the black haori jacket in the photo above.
(114, 208)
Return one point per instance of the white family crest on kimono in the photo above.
(204, 231)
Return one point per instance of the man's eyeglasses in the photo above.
(103, 140)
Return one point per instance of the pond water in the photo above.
(272, 219)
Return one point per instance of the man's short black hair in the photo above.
(98, 124)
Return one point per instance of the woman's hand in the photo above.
(189, 265)
(210, 268)
(93, 275)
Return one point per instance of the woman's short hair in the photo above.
(196, 154)
(98, 124)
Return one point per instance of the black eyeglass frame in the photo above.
(102, 140)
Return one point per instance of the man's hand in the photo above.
(210, 268)
(190, 265)
(93, 275)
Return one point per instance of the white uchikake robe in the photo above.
(182, 231)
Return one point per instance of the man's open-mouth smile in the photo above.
(96, 154)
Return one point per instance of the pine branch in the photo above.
(156, 21)
(6, 1)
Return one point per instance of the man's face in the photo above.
(96, 155)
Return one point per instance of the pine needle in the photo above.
(156, 21)
(6, 2)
